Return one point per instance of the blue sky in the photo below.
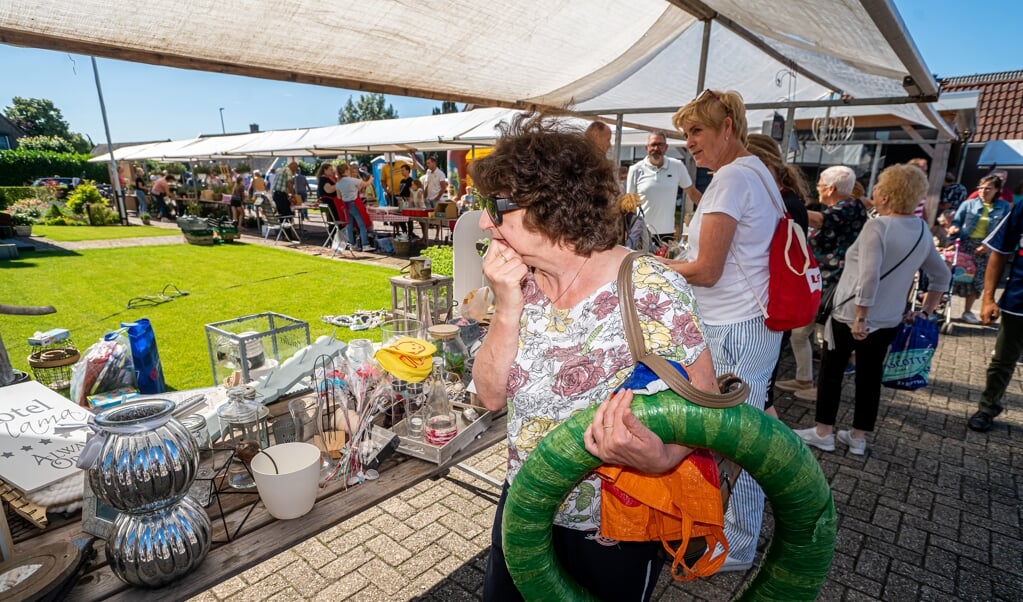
(146, 102)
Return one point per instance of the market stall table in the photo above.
(261, 536)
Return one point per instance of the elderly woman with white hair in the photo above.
(834, 231)
(870, 302)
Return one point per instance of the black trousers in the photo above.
(621, 571)
(870, 356)
(282, 203)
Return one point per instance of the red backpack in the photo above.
(794, 290)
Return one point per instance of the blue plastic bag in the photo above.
(148, 370)
(909, 357)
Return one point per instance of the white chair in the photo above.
(275, 223)
(334, 224)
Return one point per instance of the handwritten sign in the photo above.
(31, 454)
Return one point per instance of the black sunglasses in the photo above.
(496, 207)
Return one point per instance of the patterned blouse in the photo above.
(571, 359)
(842, 224)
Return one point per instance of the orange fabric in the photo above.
(678, 506)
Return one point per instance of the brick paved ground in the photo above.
(932, 512)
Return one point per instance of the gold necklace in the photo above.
(574, 278)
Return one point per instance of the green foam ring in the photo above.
(797, 561)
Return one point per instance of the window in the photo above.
(5, 142)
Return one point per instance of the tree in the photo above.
(369, 107)
(45, 143)
(447, 106)
(39, 117)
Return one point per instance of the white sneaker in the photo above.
(970, 318)
(810, 437)
(857, 447)
(368, 249)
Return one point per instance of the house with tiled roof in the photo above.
(9, 133)
(999, 119)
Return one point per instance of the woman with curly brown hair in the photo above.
(556, 344)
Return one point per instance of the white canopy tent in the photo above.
(126, 152)
(450, 131)
(640, 58)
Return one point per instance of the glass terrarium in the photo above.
(244, 349)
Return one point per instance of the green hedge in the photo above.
(20, 167)
(12, 194)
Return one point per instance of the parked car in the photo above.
(63, 185)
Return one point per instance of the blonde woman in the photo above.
(868, 308)
(729, 243)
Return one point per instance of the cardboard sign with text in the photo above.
(31, 454)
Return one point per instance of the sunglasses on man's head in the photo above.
(496, 207)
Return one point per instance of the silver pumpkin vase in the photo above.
(144, 468)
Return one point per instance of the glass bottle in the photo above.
(441, 420)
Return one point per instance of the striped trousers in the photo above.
(750, 351)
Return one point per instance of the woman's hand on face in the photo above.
(505, 270)
(616, 436)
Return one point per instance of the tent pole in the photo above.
(790, 124)
(701, 78)
(618, 140)
(115, 179)
(874, 167)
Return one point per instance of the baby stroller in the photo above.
(962, 268)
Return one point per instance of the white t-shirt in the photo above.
(348, 188)
(658, 187)
(434, 184)
(738, 192)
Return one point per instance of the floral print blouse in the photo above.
(842, 224)
(570, 359)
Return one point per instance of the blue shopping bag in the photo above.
(909, 357)
(148, 369)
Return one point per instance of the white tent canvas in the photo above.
(641, 58)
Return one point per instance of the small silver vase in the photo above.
(147, 461)
(158, 547)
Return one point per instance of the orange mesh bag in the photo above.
(676, 509)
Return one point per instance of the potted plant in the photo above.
(22, 224)
(24, 213)
(145, 217)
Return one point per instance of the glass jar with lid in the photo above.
(241, 420)
(451, 350)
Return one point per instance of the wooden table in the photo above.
(262, 536)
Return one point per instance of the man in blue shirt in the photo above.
(1005, 240)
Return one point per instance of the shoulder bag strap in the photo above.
(733, 390)
(772, 191)
(894, 267)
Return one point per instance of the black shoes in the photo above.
(981, 422)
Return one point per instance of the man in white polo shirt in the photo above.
(436, 183)
(656, 179)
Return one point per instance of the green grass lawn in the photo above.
(91, 289)
(80, 233)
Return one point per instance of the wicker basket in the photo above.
(52, 367)
(198, 237)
